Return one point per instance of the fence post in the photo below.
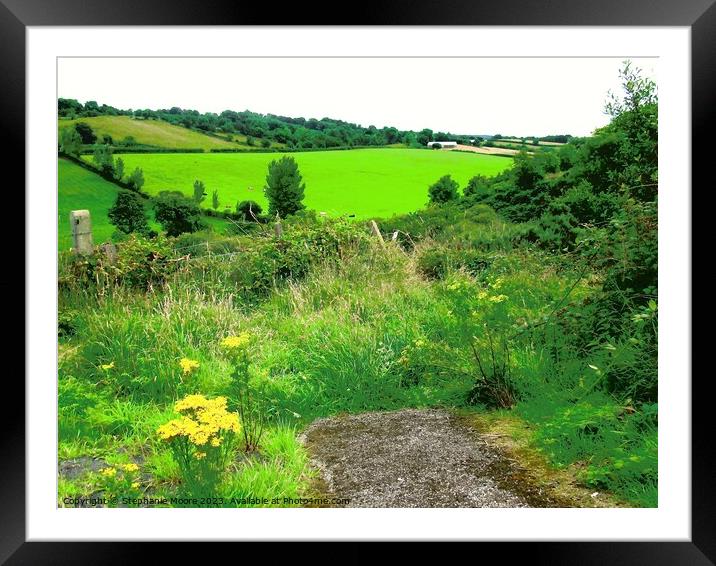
(110, 252)
(376, 231)
(81, 227)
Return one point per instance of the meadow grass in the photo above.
(368, 332)
(153, 132)
(362, 182)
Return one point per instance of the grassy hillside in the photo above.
(79, 189)
(364, 182)
(154, 132)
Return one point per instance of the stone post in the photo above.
(81, 227)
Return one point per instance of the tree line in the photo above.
(262, 129)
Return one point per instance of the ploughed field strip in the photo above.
(409, 458)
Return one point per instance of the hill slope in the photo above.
(79, 189)
(154, 132)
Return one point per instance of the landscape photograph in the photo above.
(357, 282)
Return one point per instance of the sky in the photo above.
(509, 96)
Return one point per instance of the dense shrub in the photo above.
(249, 210)
(176, 213)
(128, 214)
(443, 190)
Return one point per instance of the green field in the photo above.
(154, 132)
(79, 189)
(364, 182)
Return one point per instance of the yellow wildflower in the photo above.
(130, 467)
(200, 455)
(236, 342)
(188, 365)
(109, 472)
(107, 366)
(202, 421)
(135, 485)
(498, 298)
(419, 343)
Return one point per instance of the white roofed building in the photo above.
(443, 144)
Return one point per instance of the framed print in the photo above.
(389, 279)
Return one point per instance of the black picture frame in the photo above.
(699, 15)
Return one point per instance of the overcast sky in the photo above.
(473, 96)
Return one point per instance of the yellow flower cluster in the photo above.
(108, 472)
(236, 342)
(131, 467)
(107, 366)
(203, 421)
(187, 365)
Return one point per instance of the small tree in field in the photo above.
(177, 214)
(248, 209)
(104, 160)
(444, 190)
(284, 189)
(128, 214)
(215, 199)
(136, 180)
(199, 192)
(70, 142)
(119, 169)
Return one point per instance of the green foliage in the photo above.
(477, 185)
(85, 132)
(199, 194)
(443, 190)
(215, 199)
(177, 214)
(249, 210)
(103, 160)
(136, 180)
(70, 142)
(119, 169)
(128, 213)
(284, 189)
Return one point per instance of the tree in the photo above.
(248, 209)
(177, 214)
(437, 145)
(86, 133)
(104, 160)
(136, 180)
(199, 192)
(444, 190)
(284, 189)
(119, 169)
(215, 199)
(425, 136)
(265, 144)
(70, 142)
(479, 184)
(128, 214)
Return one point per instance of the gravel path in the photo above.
(407, 458)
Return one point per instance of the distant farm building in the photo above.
(443, 144)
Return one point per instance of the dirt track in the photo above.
(410, 458)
